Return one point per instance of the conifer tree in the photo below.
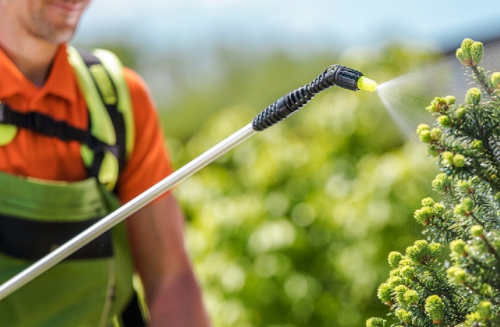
(464, 289)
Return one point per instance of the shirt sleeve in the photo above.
(149, 162)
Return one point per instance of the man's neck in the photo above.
(33, 57)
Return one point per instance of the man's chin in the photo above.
(59, 36)
(61, 27)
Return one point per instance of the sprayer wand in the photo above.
(285, 106)
(344, 77)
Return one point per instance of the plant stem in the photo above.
(482, 82)
(479, 222)
(491, 248)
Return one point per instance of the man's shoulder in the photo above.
(133, 79)
(95, 56)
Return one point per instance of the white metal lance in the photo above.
(285, 106)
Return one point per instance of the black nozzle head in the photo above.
(344, 77)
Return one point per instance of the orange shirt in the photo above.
(39, 156)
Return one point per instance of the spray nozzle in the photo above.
(349, 78)
(335, 75)
(364, 83)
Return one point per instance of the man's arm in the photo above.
(157, 242)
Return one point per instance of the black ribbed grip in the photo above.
(287, 105)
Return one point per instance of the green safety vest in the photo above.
(92, 287)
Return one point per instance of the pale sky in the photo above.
(190, 25)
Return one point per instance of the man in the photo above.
(35, 76)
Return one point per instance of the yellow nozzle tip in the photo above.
(366, 84)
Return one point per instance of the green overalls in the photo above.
(93, 286)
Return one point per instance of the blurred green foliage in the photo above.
(293, 227)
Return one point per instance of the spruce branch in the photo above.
(466, 143)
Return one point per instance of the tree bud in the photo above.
(404, 316)
(444, 121)
(441, 183)
(458, 160)
(457, 246)
(423, 216)
(423, 127)
(456, 275)
(400, 294)
(476, 231)
(447, 158)
(434, 307)
(384, 293)
(427, 202)
(459, 210)
(460, 56)
(435, 134)
(464, 186)
(476, 53)
(375, 322)
(419, 252)
(435, 249)
(405, 262)
(394, 259)
(425, 136)
(485, 310)
(395, 273)
(450, 99)
(460, 113)
(393, 282)
(466, 48)
(473, 96)
(495, 80)
(478, 145)
(468, 204)
(438, 105)
(411, 296)
(408, 272)
(487, 290)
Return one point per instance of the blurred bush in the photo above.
(293, 227)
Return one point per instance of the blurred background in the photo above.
(293, 227)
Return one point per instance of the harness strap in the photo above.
(103, 66)
(100, 77)
(113, 67)
(104, 166)
(108, 94)
(32, 240)
(46, 125)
